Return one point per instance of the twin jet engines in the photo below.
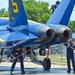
(45, 32)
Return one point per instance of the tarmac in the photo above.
(33, 69)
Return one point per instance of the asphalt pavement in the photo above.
(33, 69)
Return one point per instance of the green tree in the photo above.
(37, 10)
(71, 25)
(5, 14)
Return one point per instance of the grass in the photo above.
(56, 59)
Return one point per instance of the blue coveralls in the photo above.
(16, 53)
(70, 55)
(53, 8)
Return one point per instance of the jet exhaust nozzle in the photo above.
(63, 32)
(50, 33)
(45, 32)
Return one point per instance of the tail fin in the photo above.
(17, 15)
(62, 13)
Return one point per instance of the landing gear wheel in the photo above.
(1, 54)
(46, 64)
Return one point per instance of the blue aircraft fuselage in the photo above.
(54, 31)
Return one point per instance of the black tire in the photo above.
(1, 52)
(46, 64)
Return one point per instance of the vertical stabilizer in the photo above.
(17, 15)
(62, 13)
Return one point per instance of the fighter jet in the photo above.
(29, 34)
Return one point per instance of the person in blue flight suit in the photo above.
(17, 54)
(57, 3)
(53, 7)
(70, 55)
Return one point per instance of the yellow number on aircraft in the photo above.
(15, 5)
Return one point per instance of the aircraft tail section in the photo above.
(17, 15)
(62, 13)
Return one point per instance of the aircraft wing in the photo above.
(16, 36)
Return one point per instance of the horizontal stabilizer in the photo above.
(16, 36)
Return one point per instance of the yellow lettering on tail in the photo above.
(15, 5)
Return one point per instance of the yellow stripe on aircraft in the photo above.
(33, 21)
(4, 17)
(1, 40)
(28, 20)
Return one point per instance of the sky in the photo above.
(4, 4)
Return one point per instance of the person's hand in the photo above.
(25, 51)
(72, 48)
(14, 57)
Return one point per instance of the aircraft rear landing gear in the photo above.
(1, 54)
(47, 61)
(46, 64)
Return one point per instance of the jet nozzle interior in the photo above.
(50, 33)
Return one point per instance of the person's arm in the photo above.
(65, 44)
(12, 54)
(24, 49)
(72, 48)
